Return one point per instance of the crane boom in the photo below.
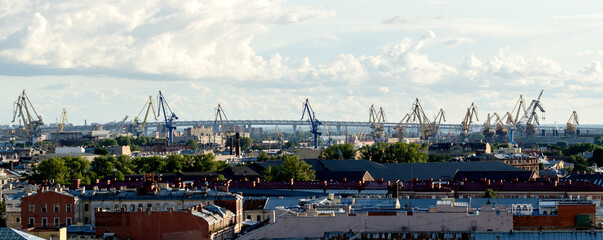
(169, 117)
(31, 123)
(314, 123)
(149, 106)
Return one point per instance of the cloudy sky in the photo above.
(100, 60)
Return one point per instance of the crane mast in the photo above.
(314, 123)
(168, 116)
(466, 124)
(220, 115)
(376, 119)
(24, 109)
(64, 120)
(137, 125)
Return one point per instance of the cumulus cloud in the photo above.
(195, 39)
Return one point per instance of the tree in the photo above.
(107, 142)
(339, 152)
(192, 144)
(489, 193)
(246, 143)
(395, 152)
(123, 141)
(103, 166)
(438, 158)
(271, 174)
(599, 140)
(598, 156)
(580, 163)
(297, 169)
(101, 151)
(50, 169)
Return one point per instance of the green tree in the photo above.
(489, 193)
(438, 157)
(123, 141)
(246, 143)
(101, 151)
(297, 169)
(192, 144)
(272, 174)
(103, 166)
(395, 152)
(339, 152)
(599, 140)
(107, 142)
(598, 156)
(580, 163)
(175, 163)
(50, 169)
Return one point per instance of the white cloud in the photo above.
(450, 43)
(197, 39)
(400, 19)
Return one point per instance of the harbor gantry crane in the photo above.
(225, 129)
(530, 120)
(314, 123)
(137, 125)
(31, 123)
(168, 116)
(64, 121)
(466, 124)
(376, 120)
(572, 123)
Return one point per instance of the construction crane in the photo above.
(531, 117)
(31, 123)
(314, 123)
(64, 121)
(571, 125)
(466, 124)
(376, 120)
(117, 130)
(168, 116)
(437, 121)
(137, 125)
(329, 139)
(225, 129)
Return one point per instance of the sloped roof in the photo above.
(493, 175)
(254, 204)
(13, 234)
(442, 170)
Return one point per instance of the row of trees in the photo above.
(66, 169)
(291, 168)
(399, 152)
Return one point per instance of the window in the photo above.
(44, 222)
(86, 207)
(17, 219)
(57, 208)
(248, 216)
(86, 220)
(115, 207)
(149, 206)
(68, 208)
(43, 208)
(32, 207)
(32, 222)
(157, 206)
(68, 221)
(259, 218)
(132, 207)
(57, 222)
(140, 205)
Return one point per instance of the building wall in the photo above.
(289, 226)
(152, 225)
(49, 198)
(565, 218)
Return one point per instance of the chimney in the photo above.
(238, 144)
(77, 183)
(231, 141)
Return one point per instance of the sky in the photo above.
(260, 59)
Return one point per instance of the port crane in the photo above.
(168, 116)
(221, 116)
(117, 130)
(488, 129)
(137, 125)
(314, 123)
(31, 123)
(401, 127)
(531, 117)
(64, 121)
(466, 124)
(426, 126)
(376, 120)
(437, 121)
(572, 123)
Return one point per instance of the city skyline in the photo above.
(262, 59)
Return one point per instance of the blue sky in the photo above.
(100, 60)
